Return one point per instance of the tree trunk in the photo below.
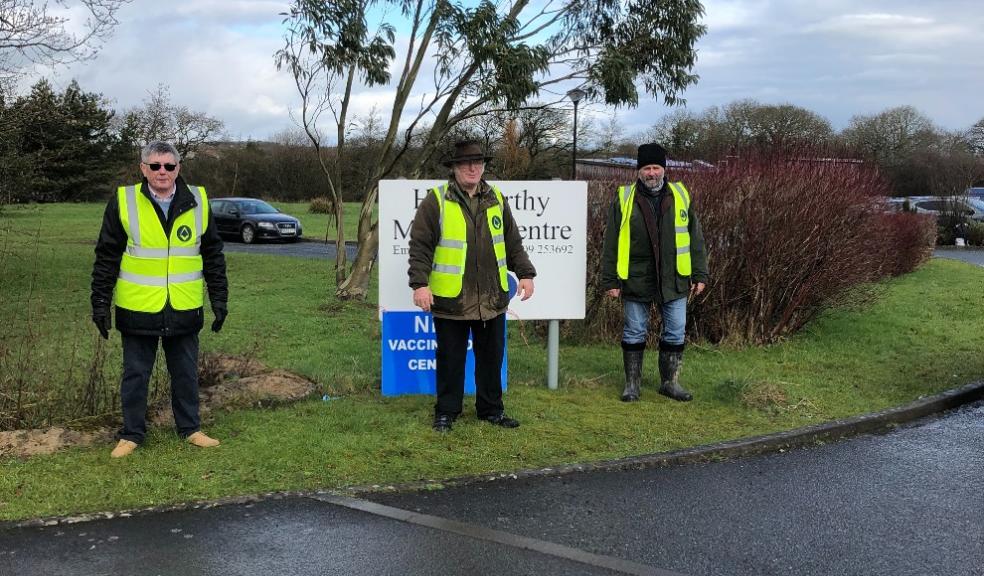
(356, 286)
(340, 254)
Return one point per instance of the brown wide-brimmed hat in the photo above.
(466, 150)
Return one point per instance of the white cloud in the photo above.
(896, 29)
(728, 15)
(905, 58)
(837, 57)
(254, 10)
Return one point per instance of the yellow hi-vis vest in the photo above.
(157, 268)
(448, 268)
(681, 205)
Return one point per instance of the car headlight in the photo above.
(267, 225)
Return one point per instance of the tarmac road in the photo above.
(971, 255)
(302, 249)
(907, 502)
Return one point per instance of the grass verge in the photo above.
(920, 335)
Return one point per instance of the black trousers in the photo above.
(181, 355)
(488, 340)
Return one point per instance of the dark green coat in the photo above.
(648, 281)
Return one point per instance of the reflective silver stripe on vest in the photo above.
(440, 207)
(681, 230)
(141, 252)
(501, 262)
(157, 282)
(187, 250)
(682, 194)
(199, 210)
(143, 280)
(446, 269)
(186, 277)
(683, 249)
(132, 214)
(498, 239)
(451, 243)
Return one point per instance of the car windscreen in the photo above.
(256, 207)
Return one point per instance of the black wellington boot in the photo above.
(670, 363)
(632, 355)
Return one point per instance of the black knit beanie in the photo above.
(651, 154)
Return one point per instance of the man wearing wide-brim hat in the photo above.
(462, 243)
(653, 254)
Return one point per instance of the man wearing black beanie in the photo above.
(653, 253)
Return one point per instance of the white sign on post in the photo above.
(552, 219)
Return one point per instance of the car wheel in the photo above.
(248, 234)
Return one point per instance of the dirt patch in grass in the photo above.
(773, 398)
(766, 396)
(47, 440)
(226, 383)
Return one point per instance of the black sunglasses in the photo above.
(155, 166)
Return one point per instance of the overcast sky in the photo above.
(835, 57)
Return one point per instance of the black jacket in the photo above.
(109, 253)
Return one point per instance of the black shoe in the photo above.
(442, 423)
(501, 419)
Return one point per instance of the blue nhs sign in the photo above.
(409, 355)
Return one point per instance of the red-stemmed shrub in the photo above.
(786, 238)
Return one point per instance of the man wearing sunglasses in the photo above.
(157, 251)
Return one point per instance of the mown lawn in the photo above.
(922, 334)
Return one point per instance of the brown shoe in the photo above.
(201, 440)
(123, 448)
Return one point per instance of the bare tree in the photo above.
(737, 120)
(975, 135)
(609, 136)
(327, 47)
(159, 119)
(778, 127)
(891, 135)
(680, 132)
(41, 33)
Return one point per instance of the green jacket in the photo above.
(482, 297)
(648, 281)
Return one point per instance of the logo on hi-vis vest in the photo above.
(184, 233)
(496, 222)
(683, 215)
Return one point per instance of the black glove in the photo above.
(101, 318)
(220, 311)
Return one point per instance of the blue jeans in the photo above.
(636, 325)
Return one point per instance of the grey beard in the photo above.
(654, 185)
